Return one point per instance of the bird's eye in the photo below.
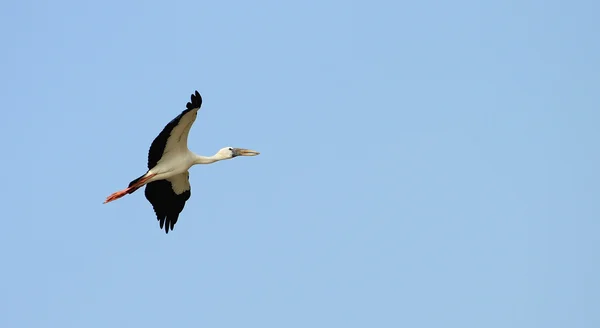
(230, 148)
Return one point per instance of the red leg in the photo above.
(121, 193)
(116, 195)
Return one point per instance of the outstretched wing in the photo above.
(168, 198)
(174, 135)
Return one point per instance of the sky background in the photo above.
(423, 163)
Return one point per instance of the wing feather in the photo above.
(168, 198)
(174, 135)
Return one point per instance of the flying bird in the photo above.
(169, 159)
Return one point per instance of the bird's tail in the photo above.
(132, 183)
(133, 186)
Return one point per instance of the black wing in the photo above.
(168, 198)
(159, 144)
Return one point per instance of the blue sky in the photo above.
(423, 164)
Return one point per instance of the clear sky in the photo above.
(423, 163)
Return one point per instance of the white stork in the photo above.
(169, 159)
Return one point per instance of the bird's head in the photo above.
(230, 152)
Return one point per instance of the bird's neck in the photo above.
(198, 159)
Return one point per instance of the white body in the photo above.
(177, 158)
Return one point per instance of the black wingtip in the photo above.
(166, 224)
(196, 101)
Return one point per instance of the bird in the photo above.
(169, 159)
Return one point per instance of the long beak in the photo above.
(244, 152)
